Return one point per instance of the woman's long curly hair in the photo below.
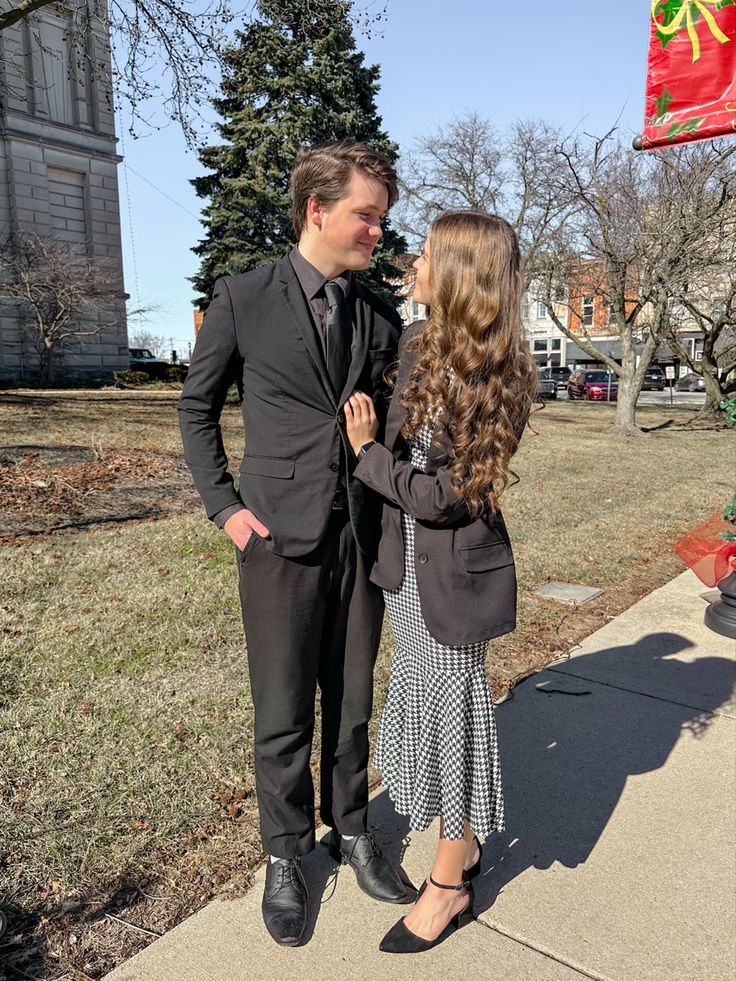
(474, 328)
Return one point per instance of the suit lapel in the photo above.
(362, 331)
(397, 413)
(303, 324)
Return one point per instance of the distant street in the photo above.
(679, 398)
(693, 399)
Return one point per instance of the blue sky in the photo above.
(574, 63)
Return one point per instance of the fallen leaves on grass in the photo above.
(28, 485)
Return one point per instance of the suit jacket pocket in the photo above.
(267, 466)
(484, 558)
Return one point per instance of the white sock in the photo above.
(274, 858)
(348, 837)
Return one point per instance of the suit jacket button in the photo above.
(341, 417)
(334, 467)
(424, 559)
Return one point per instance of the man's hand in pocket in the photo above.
(241, 525)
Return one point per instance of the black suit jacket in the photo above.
(464, 567)
(258, 332)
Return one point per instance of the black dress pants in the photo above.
(311, 620)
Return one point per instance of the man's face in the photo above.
(348, 230)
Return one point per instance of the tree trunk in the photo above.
(629, 384)
(624, 423)
(49, 366)
(713, 395)
(711, 411)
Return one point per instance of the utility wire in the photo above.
(167, 196)
(130, 216)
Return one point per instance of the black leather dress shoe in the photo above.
(375, 875)
(284, 903)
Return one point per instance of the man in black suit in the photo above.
(298, 336)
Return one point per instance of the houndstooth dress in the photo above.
(437, 746)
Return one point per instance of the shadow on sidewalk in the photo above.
(566, 753)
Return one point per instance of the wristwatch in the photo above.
(364, 449)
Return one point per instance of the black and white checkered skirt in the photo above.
(437, 747)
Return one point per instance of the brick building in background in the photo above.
(58, 175)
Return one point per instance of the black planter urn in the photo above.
(721, 615)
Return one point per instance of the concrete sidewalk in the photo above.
(620, 856)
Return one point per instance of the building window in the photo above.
(541, 310)
(547, 350)
(53, 70)
(66, 206)
(588, 302)
(610, 312)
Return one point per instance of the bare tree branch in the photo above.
(62, 294)
(20, 10)
(165, 54)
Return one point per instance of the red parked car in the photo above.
(593, 386)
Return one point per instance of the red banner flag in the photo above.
(706, 553)
(691, 74)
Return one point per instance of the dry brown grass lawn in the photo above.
(125, 715)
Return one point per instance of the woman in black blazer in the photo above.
(462, 395)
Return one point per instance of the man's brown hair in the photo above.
(324, 172)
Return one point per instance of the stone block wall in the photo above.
(58, 179)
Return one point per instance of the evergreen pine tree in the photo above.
(294, 78)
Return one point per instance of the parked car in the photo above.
(560, 374)
(594, 386)
(141, 359)
(547, 388)
(690, 383)
(654, 379)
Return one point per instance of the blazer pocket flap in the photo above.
(267, 466)
(483, 558)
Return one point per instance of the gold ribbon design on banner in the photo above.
(685, 13)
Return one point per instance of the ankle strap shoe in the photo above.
(401, 940)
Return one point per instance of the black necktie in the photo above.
(338, 336)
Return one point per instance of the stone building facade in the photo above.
(58, 176)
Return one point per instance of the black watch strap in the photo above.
(364, 448)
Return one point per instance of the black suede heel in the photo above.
(401, 940)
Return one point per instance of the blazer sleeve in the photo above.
(428, 497)
(215, 366)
